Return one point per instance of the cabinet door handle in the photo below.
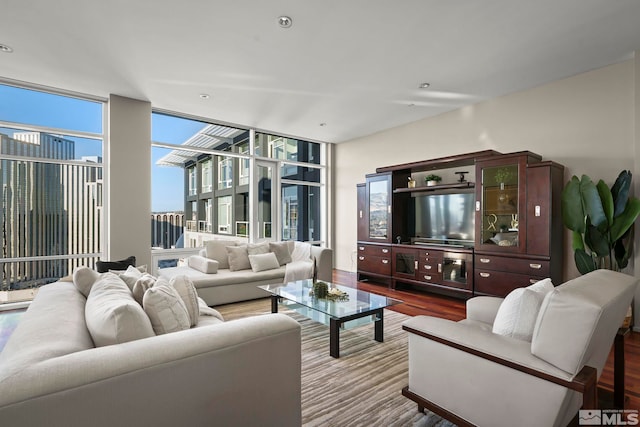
(427, 267)
(360, 214)
(361, 248)
(439, 268)
(485, 260)
(536, 266)
(415, 264)
(385, 251)
(427, 277)
(361, 258)
(485, 274)
(385, 261)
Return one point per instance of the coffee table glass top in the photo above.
(359, 302)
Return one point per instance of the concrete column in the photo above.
(128, 179)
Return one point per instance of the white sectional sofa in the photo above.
(241, 372)
(218, 282)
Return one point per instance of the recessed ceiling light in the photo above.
(285, 21)
(5, 48)
(424, 85)
(204, 96)
(411, 105)
(323, 124)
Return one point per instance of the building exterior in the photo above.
(51, 208)
(167, 228)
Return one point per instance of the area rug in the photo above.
(362, 387)
(8, 322)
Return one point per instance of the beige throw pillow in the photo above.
(140, 287)
(184, 286)
(130, 276)
(112, 315)
(238, 258)
(258, 248)
(165, 308)
(281, 249)
(262, 262)
(217, 249)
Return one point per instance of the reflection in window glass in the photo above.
(225, 173)
(224, 214)
(282, 148)
(206, 176)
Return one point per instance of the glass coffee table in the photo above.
(361, 308)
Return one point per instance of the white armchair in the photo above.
(472, 376)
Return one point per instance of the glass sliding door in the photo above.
(266, 194)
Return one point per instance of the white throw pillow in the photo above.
(165, 308)
(84, 278)
(217, 249)
(262, 262)
(258, 248)
(184, 286)
(238, 258)
(518, 313)
(112, 315)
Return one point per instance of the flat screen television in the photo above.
(445, 219)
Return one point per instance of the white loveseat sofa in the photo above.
(218, 282)
(241, 372)
(473, 376)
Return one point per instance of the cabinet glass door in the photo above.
(378, 209)
(500, 205)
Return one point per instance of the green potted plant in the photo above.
(432, 179)
(602, 220)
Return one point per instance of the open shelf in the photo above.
(455, 185)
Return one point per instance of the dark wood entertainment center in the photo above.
(498, 230)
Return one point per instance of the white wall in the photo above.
(586, 122)
(129, 179)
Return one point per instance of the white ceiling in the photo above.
(354, 65)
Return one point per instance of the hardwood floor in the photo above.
(422, 303)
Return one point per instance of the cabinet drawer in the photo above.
(429, 277)
(500, 283)
(374, 264)
(383, 251)
(429, 254)
(534, 267)
(430, 266)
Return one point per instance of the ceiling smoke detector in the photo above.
(285, 21)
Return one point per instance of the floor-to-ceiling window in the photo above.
(51, 177)
(215, 162)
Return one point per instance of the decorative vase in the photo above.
(412, 183)
(431, 183)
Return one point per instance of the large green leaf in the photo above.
(626, 219)
(597, 240)
(591, 202)
(620, 191)
(578, 242)
(606, 198)
(622, 249)
(584, 262)
(572, 211)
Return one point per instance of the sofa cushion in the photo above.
(224, 277)
(105, 266)
(112, 314)
(165, 308)
(282, 251)
(217, 250)
(238, 258)
(140, 287)
(189, 296)
(517, 314)
(84, 278)
(202, 264)
(262, 262)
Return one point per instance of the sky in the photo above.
(44, 109)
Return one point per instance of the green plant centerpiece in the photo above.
(602, 221)
(503, 176)
(321, 290)
(432, 179)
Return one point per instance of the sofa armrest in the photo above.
(231, 373)
(203, 264)
(324, 262)
(483, 309)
